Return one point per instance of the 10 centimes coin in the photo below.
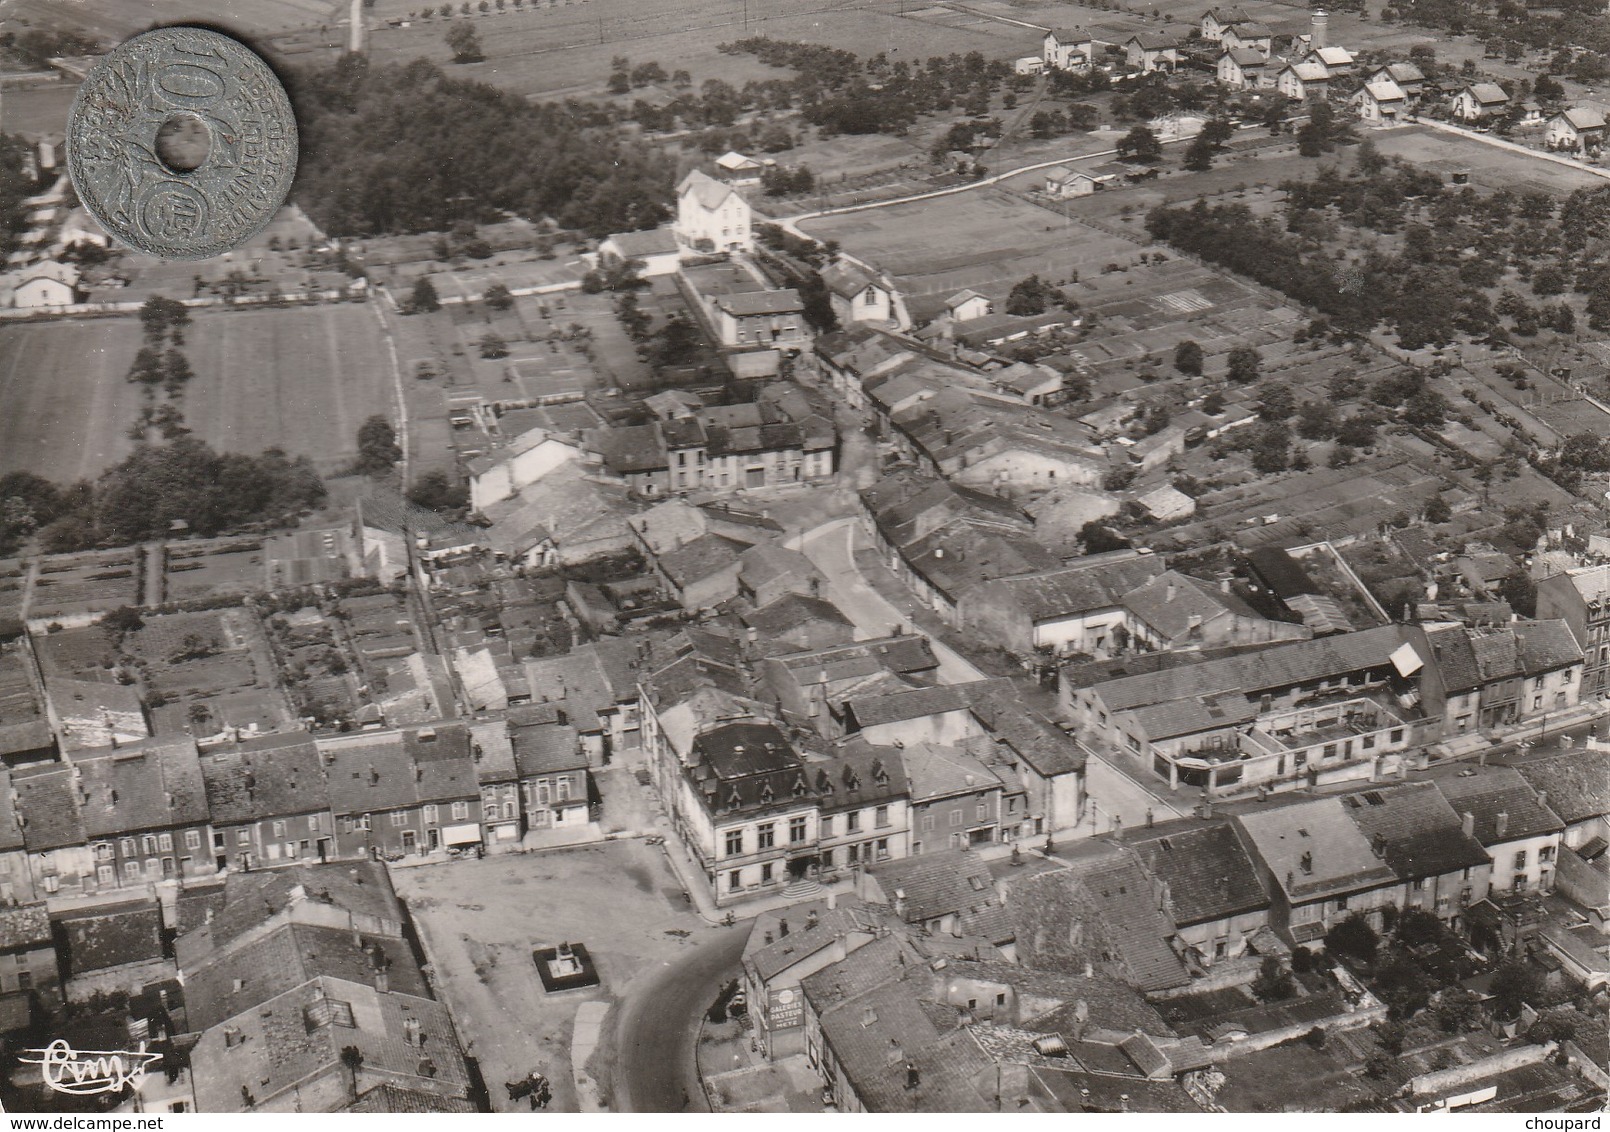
(182, 143)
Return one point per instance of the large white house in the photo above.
(44, 284)
(711, 216)
(506, 472)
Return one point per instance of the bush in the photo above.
(1354, 937)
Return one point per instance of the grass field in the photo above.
(1490, 166)
(301, 378)
(114, 20)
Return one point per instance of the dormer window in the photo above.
(766, 793)
(734, 799)
(799, 786)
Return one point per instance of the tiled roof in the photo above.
(630, 448)
(936, 884)
(1038, 742)
(389, 1098)
(1546, 646)
(913, 703)
(492, 750)
(25, 926)
(1100, 1092)
(1250, 673)
(1418, 833)
(241, 978)
(1453, 652)
(792, 610)
(444, 769)
(1188, 717)
(269, 777)
(1576, 781)
(785, 301)
(369, 773)
(547, 749)
(112, 935)
(1317, 834)
(938, 772)
(705, 189)
(1495, 790)
(654, 241)
(1209, 873)
(1103, 911)
(1084, 587)
(697, 560)
(1487, 94)
(847, 279)
(47, 800)
(246, 901)
(804, 938)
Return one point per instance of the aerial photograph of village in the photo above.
(811, 556)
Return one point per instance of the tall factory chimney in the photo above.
(1317, 29)
(355, 35)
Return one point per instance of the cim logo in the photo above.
(85, 1072)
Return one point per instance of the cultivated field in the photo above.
(551, 49)
(1490, 166)
(301, 378)
(114, 20)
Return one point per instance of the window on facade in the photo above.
(430, 813)
(192, 839)
(1568, 675)
(880, 816)
(927, 822)
(399, 817)
(131, 869)
(735, 880)
(1134, 743)
(955, 817)
(765, 835)
(165, 842)
(852, 822)
(827, 858)
(103, 852)
(1545, 853)
(1537, 703)
(982, 809)
(1341, 903)
(561, 786)
(313, 822)
(544, 790)
(279, 829)
(461, 810)
(735, 842)
(824, 826)
(1417, 885)
(883, 848)
(765, 873)
(796, 829)
(148, 843)
(242, 837)
(1520, 860)
(1397, 735)
(127, 845)
(106, 874)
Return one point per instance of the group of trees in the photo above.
(163, 321)
(1032, 296)
(404, 148)
(15, 186)
(212, 492)
(787, 180)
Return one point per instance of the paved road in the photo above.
(658, 1027)
(832, 548)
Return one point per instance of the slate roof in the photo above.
(1577, 783)
(1339, 856)
(1100, 583)
(1493, 790)
(547, 749)
(1247, 57)
(47, 800)
(1209, 873)
(492, 750)
(630, 448)
(268, 777)
(111, 936)
(737, 750)
(1418, 833)
(1174, 718)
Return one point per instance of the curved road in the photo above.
(658, 1027)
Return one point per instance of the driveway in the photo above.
(481, 919)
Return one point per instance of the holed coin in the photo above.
(182, 143)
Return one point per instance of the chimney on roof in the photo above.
(1467, 823)
(811, 919)
(1542, 797)
(1501, 824)
(1224, 585)
(1307, 862)
(1291, 878)
(1204, 805)
(1378, 844)
(1169, 591)
(374, 775)
(411, 1033)
(382, 981)
(782, 927)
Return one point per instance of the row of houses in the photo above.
(1344, 706)
(163, 810)
(941, 978)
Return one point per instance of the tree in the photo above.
(498, 297)
(1188, 358)
(1139, 144)
(1276, 401)
(161, 317)
(437, 491)
(1245, 363)
(1356, 431)
(1416, 927)
(1516, 983)
(1354, 937)
(1520, 591)
(1270, 444)
(1199, 155)
(493, 346)
(198, 715)
(424, 295)
(121, 621)
(377, 447)
(1341, 456)
(677, 342)
(1437, 509)
(1273, 982)
(465, 44)
(1316, 420)
(1391, 1036)
(1457, 1010)
(1030, 296)
(1217, 131)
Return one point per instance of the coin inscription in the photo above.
(140, 193)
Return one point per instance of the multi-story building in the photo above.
(1581, 598)
(402, 792)
(268, 802)
(712, 216)
(956, 801)
(1522, 836)
(863, 801)
(144, 809)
